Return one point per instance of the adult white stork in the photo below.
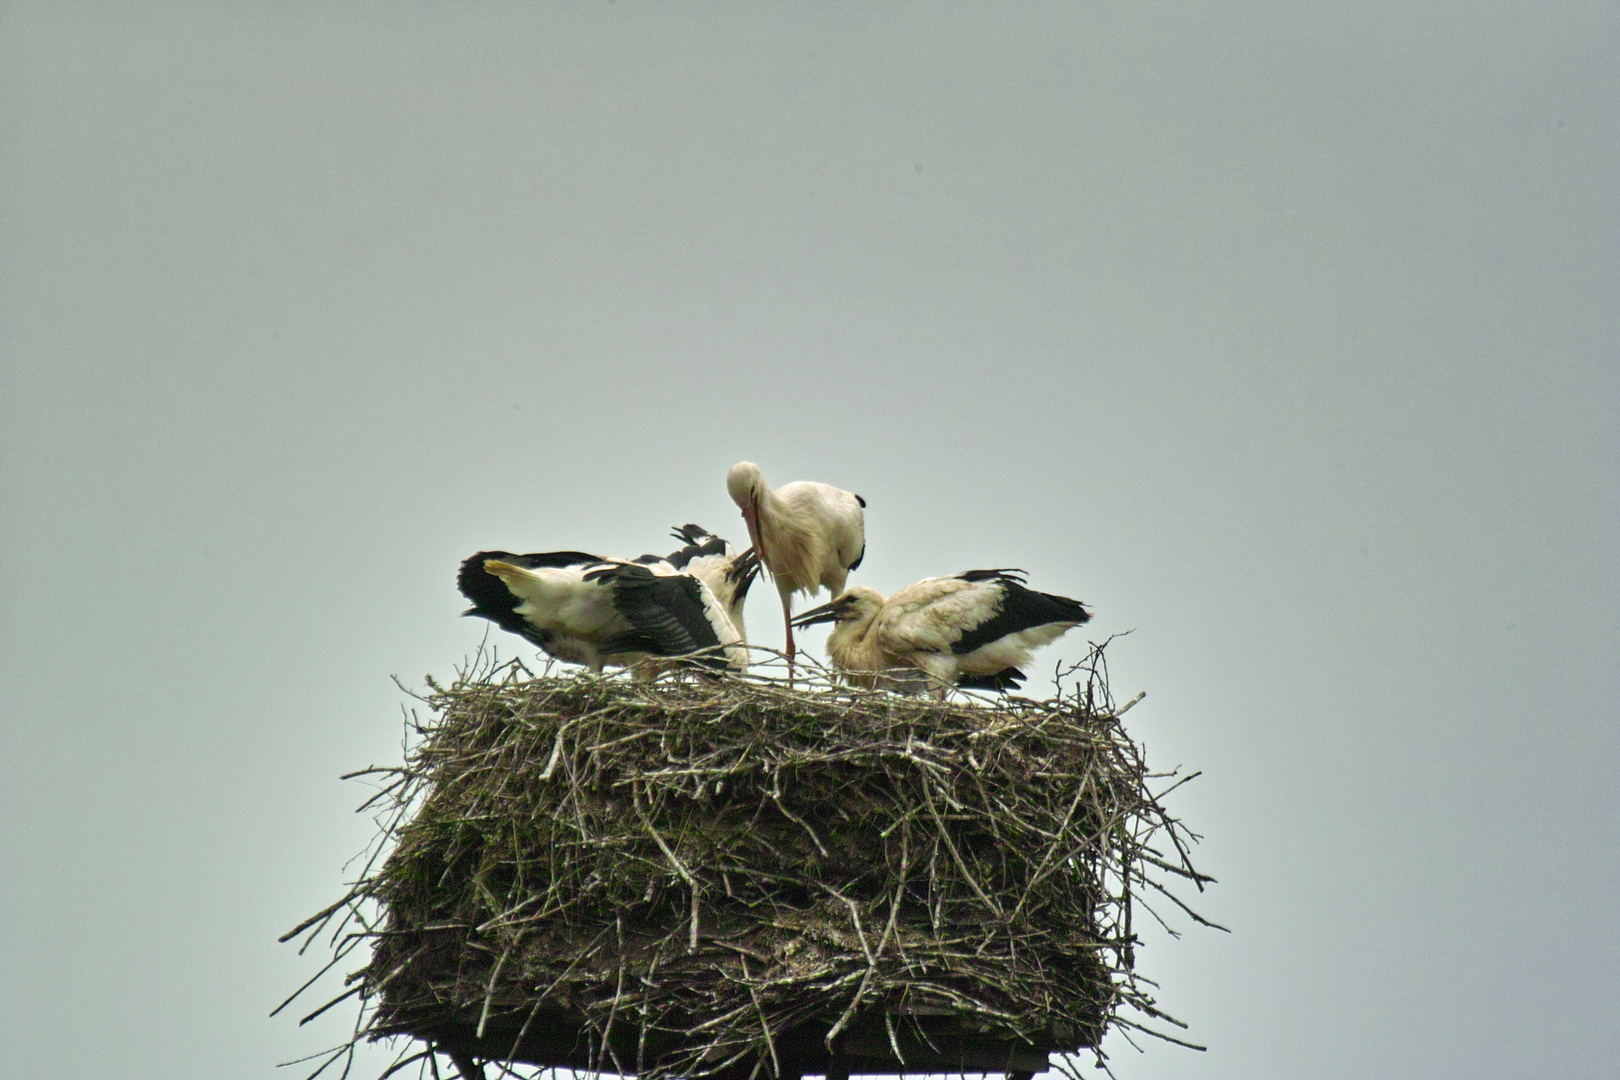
(593, 611)
(973, 630)
(807, 534)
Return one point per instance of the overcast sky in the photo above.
(1284, 335)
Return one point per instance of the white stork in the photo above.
(593, 611)
(973, 630)
(807, 534)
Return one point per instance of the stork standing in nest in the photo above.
(808, 535)
(974, 630)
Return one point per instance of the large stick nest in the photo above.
(689, 878)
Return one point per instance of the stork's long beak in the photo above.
(750, 513)
(824, 613)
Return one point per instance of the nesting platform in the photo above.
(735, 879)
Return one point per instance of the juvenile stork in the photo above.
(974, 630)
(808, 535)
(593, 611)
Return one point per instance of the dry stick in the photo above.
(1146, 855)
(1125, 708)
(680, 867)
(334, 1055)
(721, 1019)
(1171, 824)
(765, 1024)
(317, 917)
(611, 743)
(1062, 831)
(883, 942)
(855, 915)
(961, 865)
(607, 1029)
(381, 793)
(341, 997)
(336, 959)
(866, 977)
(894, 1042)
(1158, 1034)
(310, 1057)
(776, 795)
(400, 1064)
(1191, 914)
(489, 994)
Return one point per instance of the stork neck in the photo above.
(790, 544)
(771, 505)
(853, 645)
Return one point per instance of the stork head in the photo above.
(857, 605)
(746, 486)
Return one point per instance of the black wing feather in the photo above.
(665, 611)
(1021, 609)
(699, 542)
(741, 572)
(1002, 681)
(1005, 573)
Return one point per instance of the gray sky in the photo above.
(1285, 335)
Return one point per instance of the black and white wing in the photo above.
(1019, 610)
(698, 543)
(713, 561)
(668, 615)
(1022, 621)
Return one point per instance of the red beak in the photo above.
(751, 519)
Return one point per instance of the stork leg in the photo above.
(787, 618)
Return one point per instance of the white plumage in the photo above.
(974, 630)
(808, 535)
(594, 611)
